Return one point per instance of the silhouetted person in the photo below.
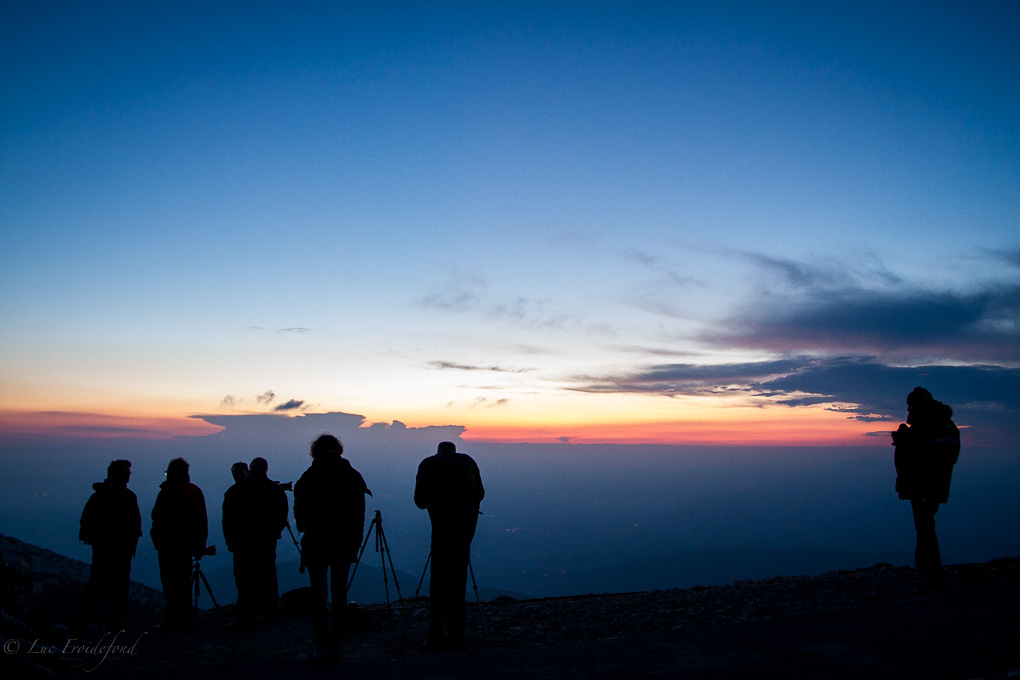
(927, 448)
(233, 521)
(111, 523)
(449, 486)
(263, 510)
(180, 528)
(329, 507)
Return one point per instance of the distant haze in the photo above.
(559, 518)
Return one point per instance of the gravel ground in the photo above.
(698, 629)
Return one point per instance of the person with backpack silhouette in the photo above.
(112, 524)
(927, 448)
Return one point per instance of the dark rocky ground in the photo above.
(881, 622)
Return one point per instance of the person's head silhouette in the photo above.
(259, 467)
(919, 403)
(119, 472)
(325, 446)
(239, 471)
(177, 471)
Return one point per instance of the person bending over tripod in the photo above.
(449, 486)
(329, 507)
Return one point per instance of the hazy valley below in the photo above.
(558, 519)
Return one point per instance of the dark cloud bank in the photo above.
(835, 309)
(985, 398)
(978, 327)
(858, 341)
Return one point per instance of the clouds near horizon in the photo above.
(506, 218)
(985, 396)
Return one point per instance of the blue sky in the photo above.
(539, 221)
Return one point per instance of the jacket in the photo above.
(111, 520)
(449, 485)
(262, 510)
(329, 507)
(925, 454)
(179, 520)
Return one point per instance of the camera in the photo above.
(206, 551)
(287, 486)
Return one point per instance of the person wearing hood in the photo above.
(180, 528)
(263, 508)
(329, 507)
(927, 448)
(111, 523)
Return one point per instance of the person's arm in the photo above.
(283, 509)
(364, 485)
(421, 484)
(478, 481)
(299, 504)
(85, 525)
(202, 522)
(155, 529)
(136, 523)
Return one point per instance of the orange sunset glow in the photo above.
(743, 427)
(731, 426)
(70, 424)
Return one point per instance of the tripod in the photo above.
(474, 586)
(301, 563)
(383, 548)
(197, 579)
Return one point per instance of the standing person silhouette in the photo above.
(449, 486)
(111, 523)
(180, 527)
(329, 507)
(263, 507)
(233, 523)
(927, 448)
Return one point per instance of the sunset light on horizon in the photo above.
(702, 426)
(635, 223)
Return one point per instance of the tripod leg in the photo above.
(379, 542)
(207, 589)
(386, 547)
(481, 612)
(407, 621)
(301, 559)
(361, 552)
(194, 584)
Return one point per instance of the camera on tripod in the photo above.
(198, 578)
